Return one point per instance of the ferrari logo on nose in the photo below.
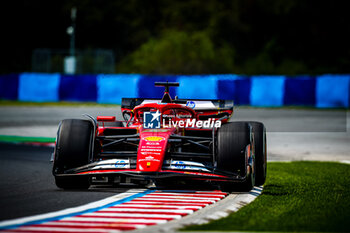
(151, 120)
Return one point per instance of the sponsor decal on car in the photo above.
(151, 120)
(149, 158)
(121, 164)
(150, 153)
(151, 149)
(154, 138)
(191, 104)
(191, 123)
(185, 165)
(152, 143)
(156, 130)
(112, 163)
(180, 165)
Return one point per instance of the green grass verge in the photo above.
(18, 139)
(55, 104)
(297, 197)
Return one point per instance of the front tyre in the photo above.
(260, 152)
(73, 148)
(232, 142)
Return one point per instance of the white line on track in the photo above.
(94, 224)
(74, 210)
(169, 203)
(132, 210)
(128, 215)
(174, 199)
(59, 229)
(153, 206)
(180, 197)
(115, 220)
(187, 195)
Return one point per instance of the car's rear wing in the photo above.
(131, 103)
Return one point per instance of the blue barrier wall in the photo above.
(323, 91)
(300, 91)
(332, 91)
(112, 88)
(38, 87)
(9, 87)
(237, 89)
(267, 91)
(78, 88)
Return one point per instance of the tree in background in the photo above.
(192, 36)
(178, 52)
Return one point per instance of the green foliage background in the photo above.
(187, 37)
(179, 52)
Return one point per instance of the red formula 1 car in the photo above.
(164, 141)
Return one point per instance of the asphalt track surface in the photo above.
(27, 185)
(28, 188)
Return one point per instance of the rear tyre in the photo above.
(73, 147)
(260, 152)
(233, 139)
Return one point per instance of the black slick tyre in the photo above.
(73, 148)
(260, 152)
(232, 141)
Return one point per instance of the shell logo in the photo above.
(154, 139)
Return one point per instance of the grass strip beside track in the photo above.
(21, 139)
(297, 197)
